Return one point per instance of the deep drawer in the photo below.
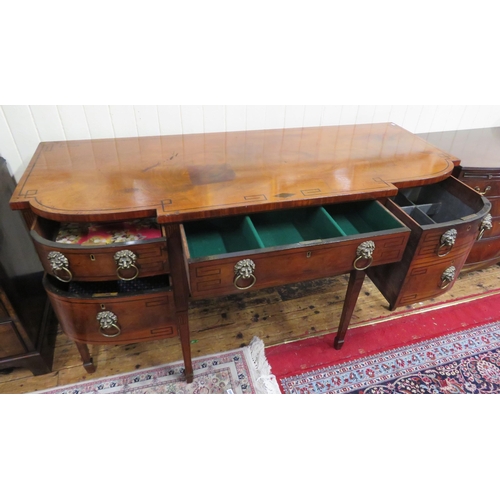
(231, 254)
(446, 219)
(119, 254)
(114, 312)
(426, 282)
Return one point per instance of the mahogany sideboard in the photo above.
(479, 151)
(130, 230)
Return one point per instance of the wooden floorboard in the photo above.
(276, 315)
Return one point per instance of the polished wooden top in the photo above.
(476, 148)
(181, 177)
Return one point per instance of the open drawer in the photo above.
(445, 219)
(114, 312)
(231, 254)
(105, 251)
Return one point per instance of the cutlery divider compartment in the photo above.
(432, 204)
(285, 227)
(288, 227)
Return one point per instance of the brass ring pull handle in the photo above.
(244, 269)
(486, 189)
(364, 252)
(125, 259)
(58, 262)
(486, 224)
(446, 242)
(447, 277)
(108, 320)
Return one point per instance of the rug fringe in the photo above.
(265, 381)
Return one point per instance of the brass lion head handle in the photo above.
(107, 321)
(447, 241)
(58, 263)
(447, 277)
(125, 259)
(486, 225)
(364, 252)
(244, 269)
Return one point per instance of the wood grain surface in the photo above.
(196, 176)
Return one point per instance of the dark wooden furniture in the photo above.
(237, 210)
(27, 325)
(479, 151)
(446, 220)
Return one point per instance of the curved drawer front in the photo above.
(446, 220)
(450, 241)
(96, 315)
(425, 282)
(275, 248)
(94, 262)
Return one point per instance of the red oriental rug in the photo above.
(449, 350)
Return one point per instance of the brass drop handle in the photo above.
(125, 259)
(59, 262)
(108, 321)
(447, 277)
(446, 242)
(244, 269)
(486, 224)
(364, 252)
(486, 189)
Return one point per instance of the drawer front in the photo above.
(484, 250)
(425, 282)
(446, 220)
(486, 182)
(450, 241)
(233, 254)
(433, 242)
(11, 343)
(219, 276)
(86, 252)
(72, 262)
(494, 230)
(114, 320)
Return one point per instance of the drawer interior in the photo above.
(94, 289)
(432, 204)
(285, 227)
(98, 233)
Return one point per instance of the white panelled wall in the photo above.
(23, 127)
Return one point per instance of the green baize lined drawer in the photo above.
(231, 254)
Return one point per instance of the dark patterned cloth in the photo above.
(90, 288)
(479, 374)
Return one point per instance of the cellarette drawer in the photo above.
(234, 254)
(108, 251)
(445, 219)
(426, 282)
(114, 312)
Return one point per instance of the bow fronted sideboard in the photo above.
(130, 230)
